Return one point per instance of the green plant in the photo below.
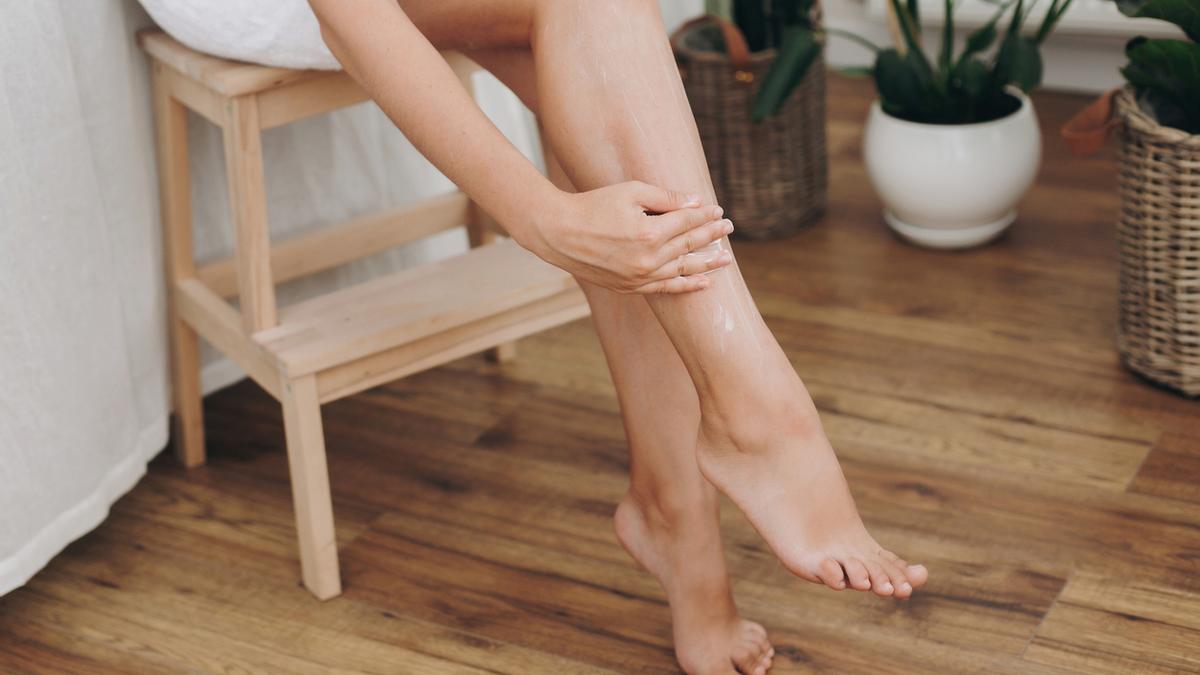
(1165, 73)
(969, 87)
(784, 25)
(947, 89)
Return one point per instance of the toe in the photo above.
(857, 573)
(746, 658)
(880, 583)
(752, 647)
(830, 572)
(895, 572)
(917, 575)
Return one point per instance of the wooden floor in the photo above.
(983, 419)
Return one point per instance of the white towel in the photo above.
(271, 32)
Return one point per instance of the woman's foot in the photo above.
(681, 547)
(784, 476)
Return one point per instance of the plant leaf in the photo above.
(980, 39)
(797, 53)
(911, 34)
(903, 85)
(1182, 13)
(751, 18)
(1057, 9)
(914, 10)
(983, 37)
(947, 39)
(1018, 62)
(972, 76)
(1168, 73)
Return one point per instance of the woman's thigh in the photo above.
(473, 24)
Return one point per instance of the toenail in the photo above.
(886, 587)
(906, 587)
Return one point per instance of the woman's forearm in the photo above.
(389, 57)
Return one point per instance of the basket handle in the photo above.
(735, 42)
(1089, 129)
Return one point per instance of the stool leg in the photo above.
(248, 199)
(175, 198)
(310, 487)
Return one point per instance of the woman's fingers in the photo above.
(679, 222)
(694, 263)
(658, 200)
(686, 273)
(696, 282)
(694, 239)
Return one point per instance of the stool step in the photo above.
(416, 304)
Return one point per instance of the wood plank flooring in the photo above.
(983, 419)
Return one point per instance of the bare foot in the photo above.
(786, 479)
(683, 550)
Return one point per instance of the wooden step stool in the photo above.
(332, 346)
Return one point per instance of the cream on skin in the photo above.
(706, 392)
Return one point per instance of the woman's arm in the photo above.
(604, 236)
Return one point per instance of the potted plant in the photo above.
(1158, 113)
(754, 78)
(952, 144)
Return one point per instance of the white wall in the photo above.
(1084, 54)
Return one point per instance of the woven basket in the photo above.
(770, 177)
(1159, 237)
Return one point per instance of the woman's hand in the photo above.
(633, 238)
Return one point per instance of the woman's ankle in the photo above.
(750, 426)
(669, 507)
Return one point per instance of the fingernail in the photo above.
(693, 200)
(728, 226)
(716, 212)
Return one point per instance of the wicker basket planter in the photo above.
(1159, 238)
(770, 177)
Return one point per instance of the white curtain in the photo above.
(83, 375)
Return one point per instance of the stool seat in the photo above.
(228, 78)
(345, 341)
(461, 303)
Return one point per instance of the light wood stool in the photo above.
(321, 349)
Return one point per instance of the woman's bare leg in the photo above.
(614, 109)
(669, 520)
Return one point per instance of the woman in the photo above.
(710, 401)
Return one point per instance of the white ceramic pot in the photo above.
(952, 185)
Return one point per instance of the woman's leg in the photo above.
(614, 109)
(669, 520)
